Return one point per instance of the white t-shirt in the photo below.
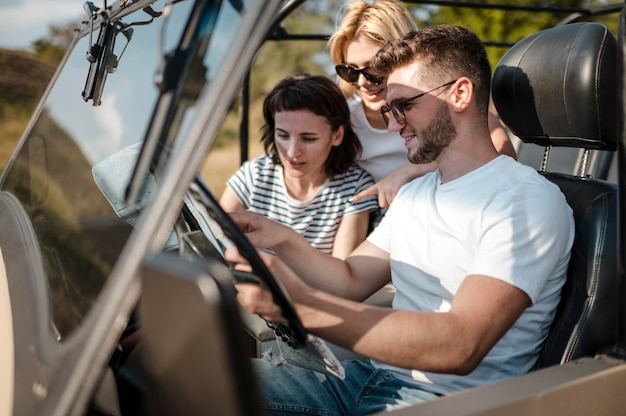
(502, 220)
(383, 152)
(260, 186)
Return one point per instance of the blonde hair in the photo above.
(381, 21)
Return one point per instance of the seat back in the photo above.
(193, 353)
(558, 87)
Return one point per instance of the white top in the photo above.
(260, 186)
(503, 220)
(383, 152)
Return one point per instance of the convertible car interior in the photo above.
(573, 104)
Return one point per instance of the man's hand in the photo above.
(261, 231)
(256, 298)
(251, 296)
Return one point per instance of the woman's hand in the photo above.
(388, 187)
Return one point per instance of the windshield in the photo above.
(73, 167)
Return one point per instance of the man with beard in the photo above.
(477, 265)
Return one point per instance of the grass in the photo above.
(222, 162)
(10, 132)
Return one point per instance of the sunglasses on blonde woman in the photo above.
(351, 74)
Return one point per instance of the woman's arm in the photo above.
(500, 138)
(388, 187)
(351, 232)
(230, 201)
(357, 277)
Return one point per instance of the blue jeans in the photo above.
(291, 390)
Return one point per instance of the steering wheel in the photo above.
(293, 333)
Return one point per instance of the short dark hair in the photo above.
(323, 97)
(448, 51)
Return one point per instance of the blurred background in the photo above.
(34, 35)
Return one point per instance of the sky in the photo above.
(24, 21)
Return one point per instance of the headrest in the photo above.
(559, 87)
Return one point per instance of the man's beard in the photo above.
(434, 138)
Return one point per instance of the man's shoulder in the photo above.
(527, 175)
(527, 184)
(423, 183)
(515, 173)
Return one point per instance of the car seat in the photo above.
(558, 88)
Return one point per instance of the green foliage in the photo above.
(498, 28)
(52, 47)
(501, 28)
(278, 59)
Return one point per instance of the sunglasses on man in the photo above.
(398, 107)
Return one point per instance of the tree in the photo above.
(500, 28)
(278, 59)
(52, 47)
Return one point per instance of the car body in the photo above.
(108, 228)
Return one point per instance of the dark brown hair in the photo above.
(321, 96)
(448, 52)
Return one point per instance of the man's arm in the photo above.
(362, 273)
(483, 310)
(456, 341)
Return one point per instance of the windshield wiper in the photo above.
(95, 56)
(180, 79)
(100, 54)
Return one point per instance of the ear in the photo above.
(463, 94)
(337, 138)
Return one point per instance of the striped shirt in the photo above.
(260, 187)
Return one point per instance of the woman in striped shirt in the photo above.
(308, 176)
